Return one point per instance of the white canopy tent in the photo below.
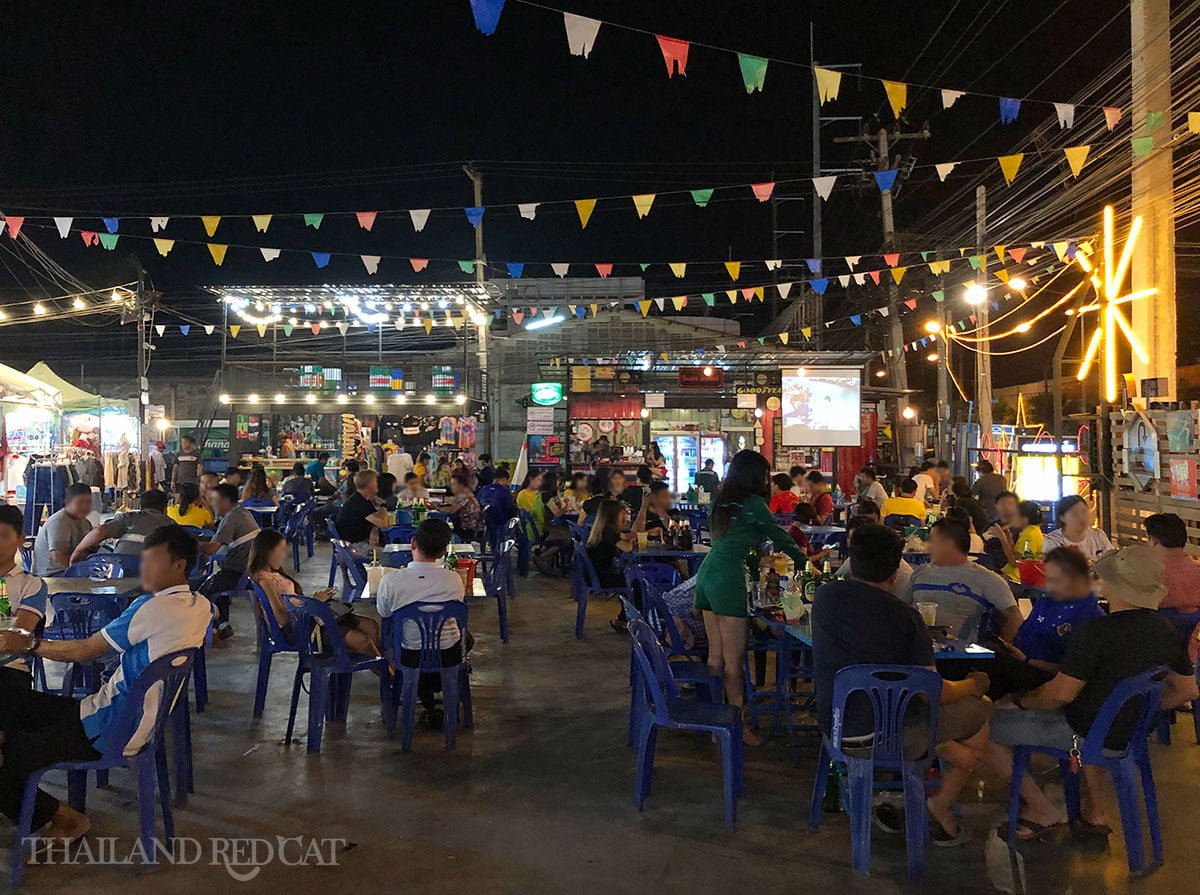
(21, 388)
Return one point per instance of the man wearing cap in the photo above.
(1101, 654)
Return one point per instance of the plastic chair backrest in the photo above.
(654, 579)
(401, 534)
(578, 532)
(98, 568)
(1145, 688)
(332, 528)
(309, 616)
(269, 624)
(901, 522)
(79, 616)
(891, 689)
(165, 676)
(253, 503)
(583, 571)
(497, 576)
(986, 620)
(349, 562)
(658, 684)
(984, 560)
(429, 619)
(917, 559)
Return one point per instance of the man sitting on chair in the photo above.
(42, 729)
(362, 513)
(130, 529)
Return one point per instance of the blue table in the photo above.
(651, 554)
(942, 649)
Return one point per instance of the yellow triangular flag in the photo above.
(1194, 122)
(210, 222)
(571, 309)
(644, 306)
(679, 268)
(261, 222)
(732, 293)
(939, 266)
(642, 203)
(829, 82)
(235, 329)
(664, 356)
(1009, 165)
(428, 322)
(595, 309)
(585, 207)
(897, 94)
(999, 250)
(783, 337)
(262, 330)
(734, 268)
(1076, 156)
(1002, 275)
(759, 291)
(218, 252)
(164, 246)
(898, 274)
(679, 301)
(807, 332)
(1060, 249)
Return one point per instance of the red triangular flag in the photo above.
(892, 259)
(366, 219)
(316, 329)
(911, 304)
(762, 191)
(675, 53)
(90, 237)
(14, 224)
(741, 344)
(604, 269)
(1018, 254)
(747, 292)
(518, 316)
(874, 275)
(418, 264)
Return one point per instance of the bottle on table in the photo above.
(685, 535)
(5, 606)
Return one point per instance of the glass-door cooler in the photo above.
(712, 447)
(682, 455)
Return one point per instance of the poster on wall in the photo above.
(821, 406)
(1140, 448)
(1183, 478)
(1179, 431)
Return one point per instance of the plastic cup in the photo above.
(643, 540)
(928, 613)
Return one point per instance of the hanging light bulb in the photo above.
(310, 399)
(975, 294)
(909, 412)
(39, 308)
(279, 398)
(79, 304)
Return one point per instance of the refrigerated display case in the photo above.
(681, 451)
(712, 447)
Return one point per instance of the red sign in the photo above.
(701, 377)
(1183, 477)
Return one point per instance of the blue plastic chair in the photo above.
(27, 554)
(400, 534)
(579, 533)
(900, 522)
(331, 527)
(330, 667)
(495, 582)
(100, 567)
(78, 617)
(1125, 766)
(272, 640)
(297, 529)
(264, 520)
(585, 584)
(891, 689)
(662, 708)
(987, 619)
(354, 572)
(1184, 623)
(429, 619)
(168, 675)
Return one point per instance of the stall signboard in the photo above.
(1179, 431)
(701, 377)
(655, 399)
(1183, 478)
(445, 383)
(627, 381)
(747, 401)
(1140, 452)
(546, 394)
(539, 421)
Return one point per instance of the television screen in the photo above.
(821, 406)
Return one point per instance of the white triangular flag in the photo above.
(852, 260)
(660, 302)
(157, 224)
(883, 312)
(160, 328)
(784, 289)
(63, 225)
(371, 263)
(944, 169)
(560, 268)
(773, 264)
(270, 254)
(419, 217)
(824, 185)
(342, 327)
(844, 280)
(208, 330)
(860, 278)
(1066, 114)
(950, 97)
(581, 33)
(528, 210)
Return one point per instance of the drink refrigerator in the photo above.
(681, 451)
(712, 447)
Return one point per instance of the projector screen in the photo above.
(821, 406)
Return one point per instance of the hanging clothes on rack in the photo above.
(46, 483)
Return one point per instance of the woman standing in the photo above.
(740, 521)
(1075, 529)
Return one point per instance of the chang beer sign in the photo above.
(546, 394)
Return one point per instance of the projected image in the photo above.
(821, 407)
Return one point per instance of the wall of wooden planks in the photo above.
(1131, 505)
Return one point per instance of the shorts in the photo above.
(957, 722)
(1032, 727)
(721, 600)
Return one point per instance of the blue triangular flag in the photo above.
(185, 328)
(487, 14)
(856, 319)
(474, 215)
(498, 313)
(995, 306)
(886, 179)
(372, 327)
(924, 342)
(1009, 109)
(581, 312)
(515, 269)
(111, 224)
(321, 259)
(819, 285)
(814, 265)
(1071, 250)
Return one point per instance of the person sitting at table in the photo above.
(59, 535)
(817, 491)
(421, 467)
(1029, 539)
(297, 485)
(905, 503)
(189, 510)
(633, 492)
(414, 490)
(927, 486)
(208, 482)
(655, 514)
(1074, 518)
(607, 539)
(1108, 650)
(707, 477)
(572, 499)
(235, 531)
(959, 495)
(387, 491)
(898, 585)
(598, 493)
(653, 458)
(943, 579)
(463, 508)
(740, 521)
(26, 593)
(555, 540)
(485, 474)
(265, 567)
(315, 469)
(963, 518)
(257, 487)
(1167, 535)
(783, 501)
(867, 486)
(496, 501)
(527, 496)
(440, 477)
(44, 729)
(859, 621)
(362, 515)
(233, 476)
(426, 580)
(797, 474)
(803, 516)
(129, 529)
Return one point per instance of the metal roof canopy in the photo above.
(577, 290)
(403, 293)
(735, 361)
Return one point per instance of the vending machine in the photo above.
(681, 451)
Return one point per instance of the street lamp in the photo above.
(932, 326)
(975, 294)
(909, 412)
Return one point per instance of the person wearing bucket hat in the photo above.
(1130, 640)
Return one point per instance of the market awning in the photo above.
(21, 388)
(73, 397)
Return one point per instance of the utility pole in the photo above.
(896, 359)
(983, 361)
(481, 328)
(943, 386)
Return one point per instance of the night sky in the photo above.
(242, 108)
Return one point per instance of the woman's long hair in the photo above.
(256, 485)
(746, 478)
(607, 515)
(188, 495)
(549, 489)
(260, 556)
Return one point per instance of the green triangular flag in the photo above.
(754, 71)
(643, 267)
(287, 329)
(975, 261)
(701, 197)
(108, 240)
(466, 266)
(1141, 146)
(1154, 119)
(710, 298)
(925, 256)
(313, 220)
(762, 340)
(939, 295)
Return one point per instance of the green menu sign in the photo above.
(546, 394)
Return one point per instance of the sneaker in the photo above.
(889, 818)
(225, 631)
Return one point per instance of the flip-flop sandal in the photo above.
(1081, 827)
(943, 839)
(1035, 831)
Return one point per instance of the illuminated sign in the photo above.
(547, 394)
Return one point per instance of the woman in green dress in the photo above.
(740, 521)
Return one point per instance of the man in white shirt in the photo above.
(26, 593)
(425, 580)
(400, 463)
(43, 729)
(926, 486)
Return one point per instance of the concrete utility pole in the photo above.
(481, 328)
(1153, 263)
(983, 362)
(896, 361)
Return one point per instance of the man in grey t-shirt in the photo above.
(61, 533)
(988, 487)
(962, 590)
(130, 529)
(235, 533)
(186, 469)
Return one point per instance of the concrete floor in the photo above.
(537, 797)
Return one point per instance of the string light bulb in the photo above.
(310, 399)
(79, 304)
(39, 308)
(280, 398)
(909, 412)
(932, 326)
(1018, 284)
(975, 294)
